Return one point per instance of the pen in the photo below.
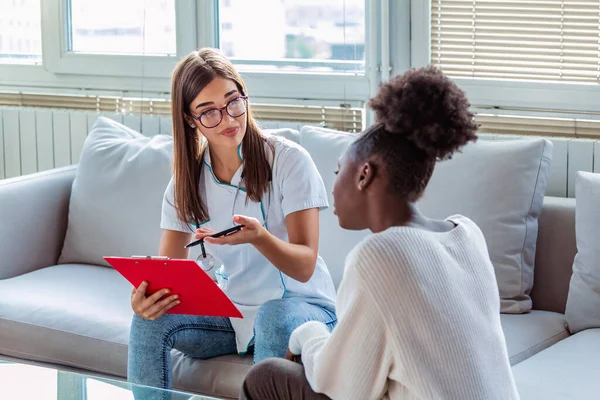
(194, 243)
(226, 232)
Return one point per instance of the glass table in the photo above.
(25, 382)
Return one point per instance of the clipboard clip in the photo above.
(161, 258)
(152, 257)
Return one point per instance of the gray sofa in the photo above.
(77, 316)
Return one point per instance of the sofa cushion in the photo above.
(288, 133)
(500, 185)
(567, 370)
(504, 197)
(77, 315)
(117, 194)
(583, 302)
(80, 315)
(528, 334)
(325, 147)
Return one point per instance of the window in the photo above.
(20, 32)
(134, 27)
(525, 57)
(140, 39)
(323, 53)
(296, 35)
(552, 40)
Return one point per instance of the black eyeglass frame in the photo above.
(226, 108)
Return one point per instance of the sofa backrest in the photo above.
(555, 245)
(555, 252)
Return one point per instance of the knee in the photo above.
(265, 370)
(263, 373)
(143, 330)
(275, 316)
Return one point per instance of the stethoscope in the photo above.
(206, 260)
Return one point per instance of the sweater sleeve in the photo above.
(352, 362)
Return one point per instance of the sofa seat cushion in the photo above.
(568, 370)
(528, 334)
(80, 315)
(71, 314)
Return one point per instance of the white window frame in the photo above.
(400, 35)
(563, 97)
(57, 59)
(386, 41)
(102, 74)
(332, 87)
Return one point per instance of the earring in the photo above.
(192, 126)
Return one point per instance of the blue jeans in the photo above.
(150, 342)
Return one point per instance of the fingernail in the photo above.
(177, 302)
(176, 296)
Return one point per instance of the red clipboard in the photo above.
(198, 293)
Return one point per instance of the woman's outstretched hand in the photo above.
(250, 233)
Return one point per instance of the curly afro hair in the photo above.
(421, 117)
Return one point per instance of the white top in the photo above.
(246, 276)
(418, 318)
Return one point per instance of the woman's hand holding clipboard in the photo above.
(197, 293)
(154, 305)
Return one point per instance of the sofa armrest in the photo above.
(33, 220)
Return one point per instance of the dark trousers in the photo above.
(278, 379)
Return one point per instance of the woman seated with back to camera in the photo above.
(418, 307)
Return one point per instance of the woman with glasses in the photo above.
(228, 173)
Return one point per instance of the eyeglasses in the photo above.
(214, 116)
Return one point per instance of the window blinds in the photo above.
(343, 118)
(547, 40)
(538, 126)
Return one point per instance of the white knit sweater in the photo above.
(418, 318)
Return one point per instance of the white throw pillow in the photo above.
(325, 146)
(288, 133)
(499, 185)
(117, 194)
(583, 303)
